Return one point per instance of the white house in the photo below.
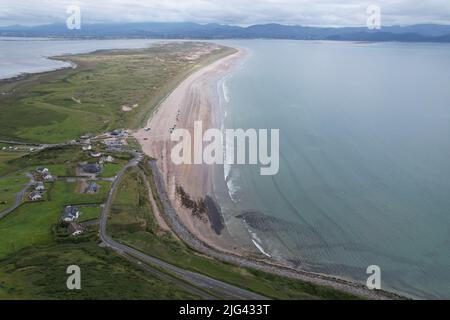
(35, 196)
(75, 229)
(95, 154)
(71, 213)
(39, 187)
(42, 170)
(47, 177)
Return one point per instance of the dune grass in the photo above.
(60, 106)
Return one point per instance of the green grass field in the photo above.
(133, 223)
(89, 213)
(60, 106)
(62, 160)
(9, 187)
(111, 170)
(5, 158)
(40, 273)
(32, 223)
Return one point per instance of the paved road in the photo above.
(20, 143)
(19, 198)
(219, 288)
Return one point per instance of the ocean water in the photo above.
(365, 159)
(22, 55)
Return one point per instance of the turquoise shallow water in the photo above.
(365, 159)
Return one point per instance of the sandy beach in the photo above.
(191, 101)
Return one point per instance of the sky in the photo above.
(235, 12)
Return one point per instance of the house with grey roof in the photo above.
(39, 186)
(35, 196)
(74, 229)
(71, 213)
(47, 176)
(92, 188)
(93, 168)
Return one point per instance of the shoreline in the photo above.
(190, 102)
(187, 103)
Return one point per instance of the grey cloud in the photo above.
(241, 12)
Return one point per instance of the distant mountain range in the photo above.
(160, 30)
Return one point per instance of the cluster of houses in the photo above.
(95, 168)
(37, 194)
(117, 139)
(44, 174)
(101, 158)
(70, 215)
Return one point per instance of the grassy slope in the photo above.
(40, 273)
(59, 106)
(9, 187)
(90, 213)
(5, 157)
(132, 223)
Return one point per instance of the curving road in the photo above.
(194, 280)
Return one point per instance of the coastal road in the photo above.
(19, 197)
(216, 287)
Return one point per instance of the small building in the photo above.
(87, 147)
(107, 159)
(93, 168)
(47, 176)
(92, 188)
(75, 229)
(39, 186)
(71, 213)
(35, 196)
(95, 154)
(42, 170)
(116, 132)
